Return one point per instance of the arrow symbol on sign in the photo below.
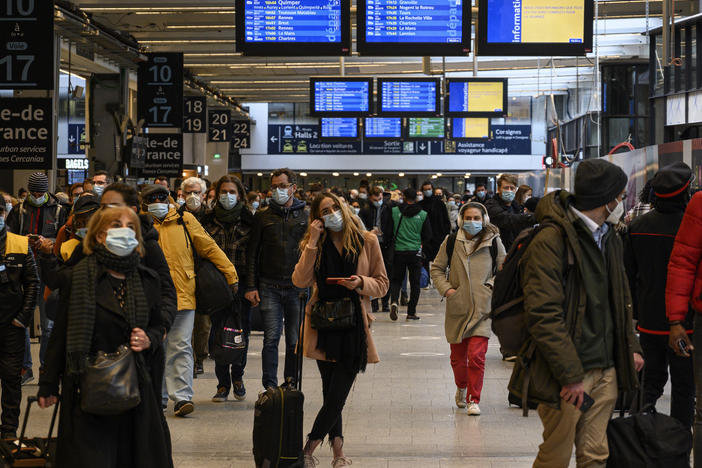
(422, 147)
(71, 139)
(274, 139)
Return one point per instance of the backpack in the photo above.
(508, 318)
(451, 244)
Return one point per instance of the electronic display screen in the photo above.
(392, 27)
(525, 27)
(470, 128)
(340, 96)
(477, 97)
(293, 27)
(339, 127)
(425, 127)
(408, 96)
(383, 127)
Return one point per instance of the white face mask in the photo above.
(160, 210)
(420, 198)
(8, 208)
(121, 241)
(227, 200)
(281, 196)
(334, 221)
(181, 201)
(356, 210)
(616, 214)
(363, 195)
(193, 202)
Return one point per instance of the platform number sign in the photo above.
(160, 92)
(26, 44)
(195, 110)
(219, 125)
(241, 134)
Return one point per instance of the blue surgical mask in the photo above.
(38, 201)
(8, 208)
(159, 210)
(180, 201)
(281, 196)
(98, 189)
(428, 193)
(480, 194)
(2, 223)
(121, 241)
(255, 205)
(334, 221)
(227, 200)
(507, 196)
(82, 232)
(378, 203)
(473, 227)
(452, 203)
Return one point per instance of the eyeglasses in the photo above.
(157, 197)
(281, 186)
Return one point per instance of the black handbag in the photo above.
(212, 293)
(110, 383)
(229, 339)
(334, 315)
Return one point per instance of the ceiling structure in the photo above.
(205, 32)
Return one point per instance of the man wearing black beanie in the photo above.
(582, 346)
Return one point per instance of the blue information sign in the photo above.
(405, 96)
(337, 96)
(424, 21)
(339, 127)
(383, 127)
(306, 21)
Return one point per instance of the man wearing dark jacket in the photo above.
(439, 223)
(19, 288)
(377, 218)
(270, 260)
(580, 332)
(505, 212)
(647, 248)
(411, 232)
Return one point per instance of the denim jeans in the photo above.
(279, 305)
(226, 373)
(178, 376)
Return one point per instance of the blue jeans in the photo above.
(279, 305)
(178, 376)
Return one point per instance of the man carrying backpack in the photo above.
(579, 320)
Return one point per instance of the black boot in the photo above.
(374, 305)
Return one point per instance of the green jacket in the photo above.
(555, 314)
(414, 230)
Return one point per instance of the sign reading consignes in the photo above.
(160, 92)
(164, 155)
(26, 44)
(26, 133)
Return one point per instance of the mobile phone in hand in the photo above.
(682, 345)
(587, 403)
(336, 280)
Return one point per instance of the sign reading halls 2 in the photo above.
(26, 133)
(160, 92)
(26, 44)
(164, 155)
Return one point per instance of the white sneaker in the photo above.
(461, 397)
(310, 461)
(473, 409)
(341, 461)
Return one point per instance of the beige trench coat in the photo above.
(470, 275)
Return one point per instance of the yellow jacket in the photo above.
(176, 248)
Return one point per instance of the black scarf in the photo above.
(81, 310)
(228, 216)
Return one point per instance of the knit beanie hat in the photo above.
(38, 182)
(597, 182)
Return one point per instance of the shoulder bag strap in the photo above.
(196, 256)
(399, 225)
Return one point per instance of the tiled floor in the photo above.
(400, 413)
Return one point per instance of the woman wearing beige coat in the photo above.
(477, 255)
(336, 247)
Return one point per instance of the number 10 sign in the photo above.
(160, 92)
(26, 44)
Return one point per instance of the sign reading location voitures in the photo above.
(26, 44)
(164, 155)
(160, 92)
(26, 133)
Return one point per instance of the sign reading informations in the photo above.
(241, 134)
(424, 21)
(195, 108)
(164, 155)
(286, 21)
(476, 96)
(26, 44)
(536, 21)
(160, 93)
(26, 133)
(219, 125)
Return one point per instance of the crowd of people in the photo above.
(114, 269)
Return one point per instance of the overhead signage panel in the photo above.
(383, 127)
(409, 96)
(195, 114)
(160, 90)
(425, 127)
(164, 155)
(341, 97)
(241, 134)
(26, 133)
(476, 97)
(339, 127)
(219, 125)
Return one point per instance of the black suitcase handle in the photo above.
(33, 399)
(301, 340)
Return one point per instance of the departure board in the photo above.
(293, 27)
(416, 96)
(343, 97)
(477, 97)
(462, 128)
(531, 27)
(339, 127)
(425, 127)
(414, 27)
(383, 127)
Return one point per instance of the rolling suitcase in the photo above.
(22, 452)
(278, 417)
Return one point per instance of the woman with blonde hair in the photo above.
(105, 309)
(344, 266)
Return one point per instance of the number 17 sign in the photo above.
(160, 90)
(26, 44)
